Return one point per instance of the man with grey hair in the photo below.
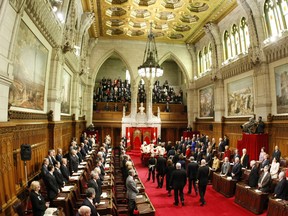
(84, 211)
(203, 175)
(281, 189)
(94, 183)
(178, 182)
(225, 167)
(254, 174)
(264, 181)
(132, 191)
(236, 170)
(88, 201)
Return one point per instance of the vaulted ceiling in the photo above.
(173, 21)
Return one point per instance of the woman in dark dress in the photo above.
(168, 172)
(37, 200)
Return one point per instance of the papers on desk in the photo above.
(138, 187)
(104, 195)
(60, 198)
(50, 211)
(81, 166)
(247, 186)
(139, 196)
(75, 177)
(80, 171)
(87, 156)
(83, 163)
(76, 174)
(229, 178)
(258, 191)
(67, 188)
(106, 177)
(101, 203)
(278, 200)
(107, 165)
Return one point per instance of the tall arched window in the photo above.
(204, 63)
(236, 40)
(273, 16)
(227, 45)
(244, 35)
(200, 62)
(209, 56)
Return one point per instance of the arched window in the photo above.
(200, 63)
(204, 63)
(209, 56)
(236, 49)
(274, 16)
(244, 35)
(227, 45)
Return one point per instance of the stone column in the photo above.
(149, 87)
(88, 104)
(75, 106)
(190, 104)
(263, 101)
(5, 83)
(54, 90)
(134, 92)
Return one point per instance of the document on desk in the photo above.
(67, 188)
(80, 171)
(258, 191)
(247, 186)
(104, 195)
(139, 196)
(60, 198)
(138, 187)
(50, 211)
(83, 163)
(75, 177)
(76, 174)
(81, 166)
(278, 200)
(102, 203)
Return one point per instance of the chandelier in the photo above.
(150, 66)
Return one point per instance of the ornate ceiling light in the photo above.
(150, 67)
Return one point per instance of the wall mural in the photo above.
(65, 92)
(281, 79)
(31, 56)
(206, 102)
(240, 97)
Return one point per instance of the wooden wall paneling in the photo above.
(7, 182)
(55, 135)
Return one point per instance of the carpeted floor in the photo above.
(217, 204)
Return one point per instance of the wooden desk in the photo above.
(277, 207)
(224, 186)
(142, 198)
(146, 209)
(105, 206)
(62, 200)
(248, 198)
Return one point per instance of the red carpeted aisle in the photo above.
(217, 204)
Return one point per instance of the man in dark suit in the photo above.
(265, 162)
(281, 189)
(64, 170)
(221, 145)
(151, 167)
(58, 175)
(51, 156)
(44, 168)
(244, 159)
(51, 184)
(254, 174)
(236, 170)
(92, 183)
(88, 201)
(192, 171)
(178, 182)
(276, 154)
(160, 168)
(203, 175)
(74, 161)
(264, 181)
(59, 155)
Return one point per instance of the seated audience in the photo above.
(37, 200)
(254, 174)
(88, 201)
(225, 167)
(281, 189)
(244, 159)
(264, 181)
(276, 154)
(274, 168)
(237, 170)
(262, 154)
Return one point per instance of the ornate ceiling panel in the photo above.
(174, 21)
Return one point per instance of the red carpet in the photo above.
(217, 204)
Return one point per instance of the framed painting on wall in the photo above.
(65, 92)
(206, 98)
(281, 85)
(240, 97)
(30, 67)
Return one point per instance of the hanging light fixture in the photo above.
(150, 67)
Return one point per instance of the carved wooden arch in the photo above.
(137, 138)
